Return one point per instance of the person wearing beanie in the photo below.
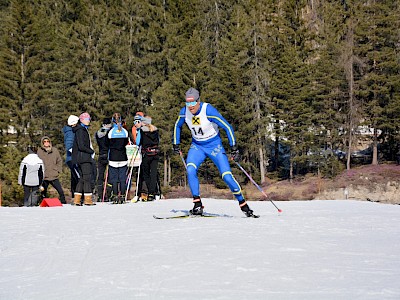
(103, 142)
(141, 191)
(69, 137)
(53, 167)
(83, 155)
(118, 159)
(148, 139)
(203, 121)
(31, 173)
(137, 120)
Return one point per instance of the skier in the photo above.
(203, 121)
(102, 162)
(53, 167)
(137, 123)
(83, 155)
(69, 137)
(118, 160)
(148, 138)
(31, 173)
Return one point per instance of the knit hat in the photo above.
(146, 120)
(106, 121)
(192, 95)
(138, 118)
(72, 120)
(84, 116)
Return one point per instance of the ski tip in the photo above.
(279, 210)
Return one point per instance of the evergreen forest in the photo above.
(299, 80)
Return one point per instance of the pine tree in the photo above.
(378, 76)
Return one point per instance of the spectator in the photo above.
(148, 139)
(141, 190)
(102, 162)
(69, 137)
(30, 176)
(118, 160)
(53, 166)
(83, 155)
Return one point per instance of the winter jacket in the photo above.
(82, 151)
(69, 137)
(102, 141)
(118, 140)
(31, 171)
(52, 160)
(148, 139)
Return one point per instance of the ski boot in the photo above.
(143, 197)
(121, 199)
(150, 197)
(114, 199)
(246, 209)
(198, 207)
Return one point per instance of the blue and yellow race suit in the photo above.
(206, 142)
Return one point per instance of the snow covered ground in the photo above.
(312, 250)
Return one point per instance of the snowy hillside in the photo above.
(312, 250)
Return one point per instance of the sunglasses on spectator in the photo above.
(137, 122)
(193, 103)
(46, 141)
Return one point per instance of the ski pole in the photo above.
(257, 186)
(105, 184)
(130, 173)
(137, 184)
(183, 160)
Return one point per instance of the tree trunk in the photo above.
(350, 77)
(165, 181)
(262, 164)
(375, 148)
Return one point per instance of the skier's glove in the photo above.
(177, 149)
(235, 155)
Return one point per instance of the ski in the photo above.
(181, 214)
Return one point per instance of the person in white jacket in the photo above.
(31, 173)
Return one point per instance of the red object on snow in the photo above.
(50, 202)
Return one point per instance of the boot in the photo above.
(88, 200)
(246, 209)
(121, 199)
(114, 199)
(150, 197)
(143, 197)
(100, 189)
(77, 199)
(198, 206)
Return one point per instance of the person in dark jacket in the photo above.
(102, 162)
(117, 159)
(148, 139)
(83, 155)
(69, 137)
(53, 167)
(31, 173)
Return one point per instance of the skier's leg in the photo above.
(193, 161)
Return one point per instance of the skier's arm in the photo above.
(176, 136)
(213, 115)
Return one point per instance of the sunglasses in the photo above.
(137, 122)
(46, 141)
(193, 103)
